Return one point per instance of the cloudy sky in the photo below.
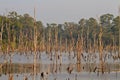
(59, 11)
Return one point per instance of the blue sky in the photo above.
(59, 11)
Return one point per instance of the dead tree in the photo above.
(60, 46)
(35, 46)
(119, 34)
(101, 50)
(56, 47)
(1, 33)
(79, 51)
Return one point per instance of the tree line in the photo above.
(17, 33)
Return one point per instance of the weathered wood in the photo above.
(79, 52)
(35, 47)
(101, 49)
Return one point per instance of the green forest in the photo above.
(17, 33)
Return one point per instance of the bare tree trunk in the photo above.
(66, 45)
(101, 50)
(94, 43)
(35, 46)
(1, 68)
(49, 44)
(60, 54)
(87, 42)
(79, 51)
(56, 48)
(1, 33)
(119, 34)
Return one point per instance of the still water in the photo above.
(45, 65)
(65, 76)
